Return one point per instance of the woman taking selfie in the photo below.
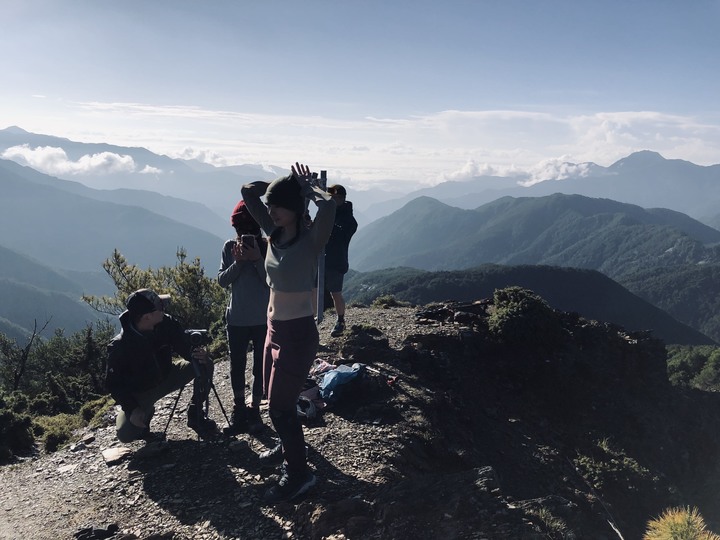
(292, 336)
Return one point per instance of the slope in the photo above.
(587, 292)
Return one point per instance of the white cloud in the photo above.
(55, 161)
(150, 170)
(416, 149)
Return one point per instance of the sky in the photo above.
(379, 93)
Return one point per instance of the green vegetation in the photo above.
(695, 367)
(609, 469)
(520, 316)
(51, 387)
(388, 301)
(679, 524)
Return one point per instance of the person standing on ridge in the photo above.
(336, 253)
(242, 269)
(292, 337)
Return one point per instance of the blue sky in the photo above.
(379, 93)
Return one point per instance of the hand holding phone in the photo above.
(248, 241)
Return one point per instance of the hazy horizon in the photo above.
(408, 93)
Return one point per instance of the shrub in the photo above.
(15, 434)
(388, 301)
(54, 431)
(92, 412)
(522, 317)
(679, 524)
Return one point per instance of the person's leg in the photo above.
(292, 346)
(254, 421)
(127, 431)
(339, 302)
(181, 373)
(238, 339)
(334, 284)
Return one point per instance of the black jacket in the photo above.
(137, 362)
(336, 250)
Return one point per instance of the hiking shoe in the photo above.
(272, 457)
(238, 421)
(254, 421)
(289, 487)
(339, 329)
(200, 424)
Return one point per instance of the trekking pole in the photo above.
(322, 183)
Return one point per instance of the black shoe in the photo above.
(254, 422)
(200, 424)
(271, 458)
(290, 487)
(238, 421)
(339, 329)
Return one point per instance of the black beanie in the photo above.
(285, 192)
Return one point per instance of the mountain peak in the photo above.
(15, 130)
(643, 158)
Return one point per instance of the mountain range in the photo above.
(643, 178)
(147, 206)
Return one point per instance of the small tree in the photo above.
(679, 524)
(197, 300)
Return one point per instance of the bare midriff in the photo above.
(284, 306)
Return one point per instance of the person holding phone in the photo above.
(292, 336)
(242, 269)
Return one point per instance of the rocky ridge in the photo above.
(452, 434)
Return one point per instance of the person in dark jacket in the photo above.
(336, 253)
(141, 368)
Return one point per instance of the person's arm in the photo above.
(251, 194)
(325, 217)
(229, 267)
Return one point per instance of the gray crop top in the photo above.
(293, 268)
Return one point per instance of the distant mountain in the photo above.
(122, 167)
(190, 213)
(560, 230)
(587, 292)
(643, 178)
(32, 291)
(73, 232)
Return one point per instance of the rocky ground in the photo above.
(434, 443)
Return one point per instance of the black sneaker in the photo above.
(272, 457)
(238, 421)
(289, 487)
(339, 329)
(254, 421)
(200, 424)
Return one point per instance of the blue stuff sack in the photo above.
(333, 381)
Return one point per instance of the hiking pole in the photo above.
(322, 184)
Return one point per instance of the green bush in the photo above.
(679, 524)
(388, 301)
(92, 412)
(55, 431)
(15, 434)
(521, 317)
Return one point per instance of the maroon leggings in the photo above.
(290, 349)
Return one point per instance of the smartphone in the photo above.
(248, 240)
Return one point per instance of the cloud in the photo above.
(420, 148)
(55, 161)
